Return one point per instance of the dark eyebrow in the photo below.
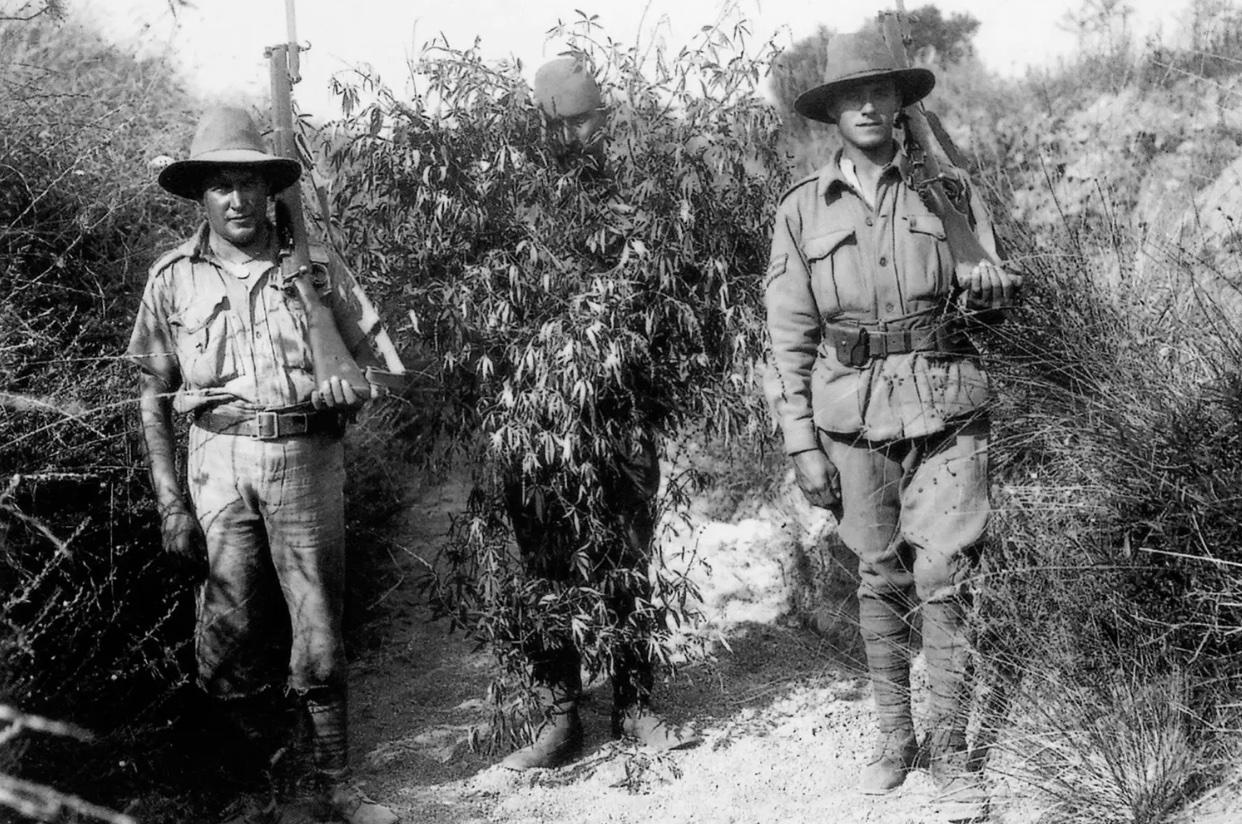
(233, 176)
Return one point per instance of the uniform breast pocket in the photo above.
(836, 271)
(929, 266)
(206, 344)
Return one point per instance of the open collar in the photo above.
(832, 179)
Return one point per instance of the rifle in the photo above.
(328, 351)
(926, 145)
(395, 378)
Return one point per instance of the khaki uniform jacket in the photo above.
(218, 333)
(836, 259)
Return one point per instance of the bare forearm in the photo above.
(157, 432)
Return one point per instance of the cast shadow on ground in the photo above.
(418, 691)
(417, 702)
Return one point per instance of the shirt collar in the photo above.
(198, 246)
(831, 178)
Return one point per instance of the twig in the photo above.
(46, 804)
(45, 725)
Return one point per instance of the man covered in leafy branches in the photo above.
(575, 313)
(883, 401)
(547, 522)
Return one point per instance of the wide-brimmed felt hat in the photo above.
(227, 136)
(565, 87)
(855, 58)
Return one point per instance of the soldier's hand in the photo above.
(818, 479)
(988, 286)
(183, 542)
(335, 393)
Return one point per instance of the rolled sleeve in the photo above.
(151, 344)
(794, 330)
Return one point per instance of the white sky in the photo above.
(219, 43)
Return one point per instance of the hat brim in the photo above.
(913, 84)
(185, 177)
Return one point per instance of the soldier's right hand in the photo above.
(335, 393)
(184, 544)
(818, 479)
(988, 286)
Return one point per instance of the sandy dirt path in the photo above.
(785, 719)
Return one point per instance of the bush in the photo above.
(1119, 452)
(92, 629)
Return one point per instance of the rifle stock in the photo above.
(328, 351)
(967, 250)
(395, 378)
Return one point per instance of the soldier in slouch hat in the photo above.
(260, 516)
(882, 399)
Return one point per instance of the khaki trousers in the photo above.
(271, 609)
(914, 510)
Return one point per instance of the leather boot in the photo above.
(890, 762)
(886, 637)
(632, 715)
(335, 799)
(645, 726)
(960, 793)
(332, 795)
(558, 739)
(353, 806)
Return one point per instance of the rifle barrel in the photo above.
(291, 26)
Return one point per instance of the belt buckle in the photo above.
(266, 426)
(270, 426)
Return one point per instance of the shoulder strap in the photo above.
(168, 259)
(811, 178)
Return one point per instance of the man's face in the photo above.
(580, 133)
(235, 199)
(865, 112)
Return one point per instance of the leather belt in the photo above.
(269, 426)
(858, 345)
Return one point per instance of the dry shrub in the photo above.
(381, 449)
(93, 628)
(1125, 750)
(1110, 604)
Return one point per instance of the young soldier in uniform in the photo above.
(570, 100)
(220, 339)
(882, 400)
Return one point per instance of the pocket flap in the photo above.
(825, 245)
(194, 318)
(927, 225)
